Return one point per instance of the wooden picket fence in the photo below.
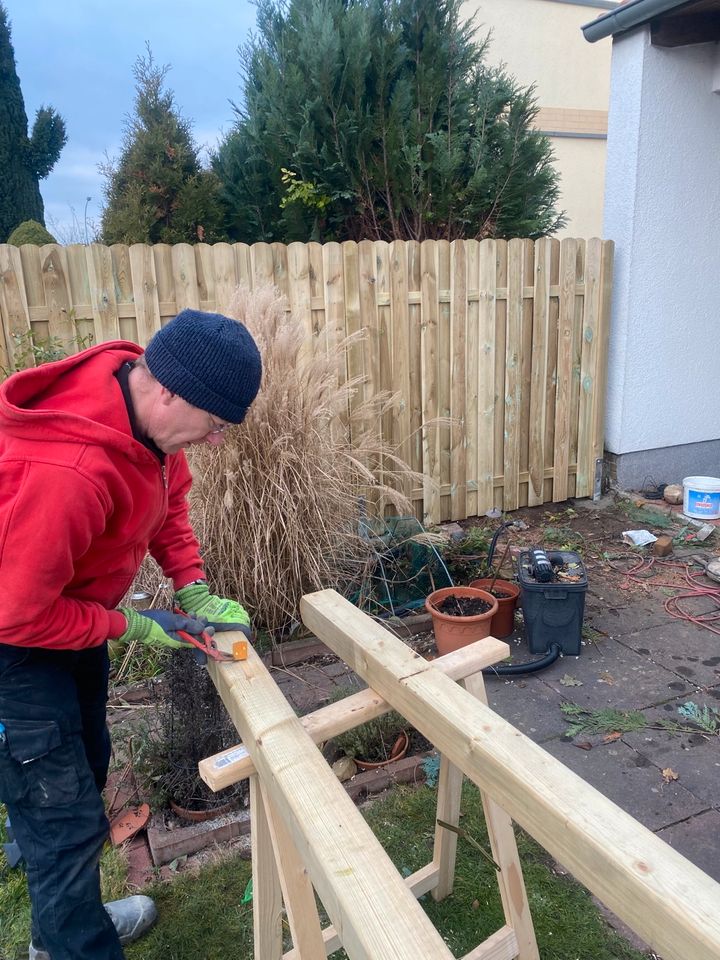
(503, 344)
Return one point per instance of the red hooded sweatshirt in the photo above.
(81, 502)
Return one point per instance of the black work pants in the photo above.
(54, 756)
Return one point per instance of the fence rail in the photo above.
(507, 339)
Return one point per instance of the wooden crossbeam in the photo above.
(235, 763)
(668, 901)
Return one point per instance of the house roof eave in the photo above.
(628, 15)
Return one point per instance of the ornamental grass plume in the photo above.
(277, 506)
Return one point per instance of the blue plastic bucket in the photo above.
(701, 497)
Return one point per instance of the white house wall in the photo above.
(662, 208)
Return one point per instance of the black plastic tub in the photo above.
(553, 611)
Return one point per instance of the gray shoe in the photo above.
(131, 917)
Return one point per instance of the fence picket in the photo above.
(430, 381)
(568, 260)
(513, 355)
(13, 305)
(507, 340)
(102, 293)
(458, 383)
(487, 364)
(538, 373)
(142, 268)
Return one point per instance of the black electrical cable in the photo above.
(512, 669)
(493, 542)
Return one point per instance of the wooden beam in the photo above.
(343, 859)
(668, 901)
(420, 882)
(235, 763)
(685, 29)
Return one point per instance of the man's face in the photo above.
(177, 424)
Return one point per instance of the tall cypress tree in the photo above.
(381, 119)
(24, 161)
(158, 192)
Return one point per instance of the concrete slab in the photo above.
(529, 704)
(631, 781)
(693, 756)
(690, 651)
(613, 675)
(692, 838)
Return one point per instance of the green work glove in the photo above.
(197, 601)
(158, 627)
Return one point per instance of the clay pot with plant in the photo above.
(376, 742)
(460, 615)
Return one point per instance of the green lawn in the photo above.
(203, 917)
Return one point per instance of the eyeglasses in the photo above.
(217, 427)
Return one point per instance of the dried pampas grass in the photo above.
(276, 507)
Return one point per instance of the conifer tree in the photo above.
(381, 119)
(158, 191)
(24, 160)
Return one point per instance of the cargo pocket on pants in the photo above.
(36, 765)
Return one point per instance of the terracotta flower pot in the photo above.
(453, 632)
(398, 751)
(503, 623)
(200, 816)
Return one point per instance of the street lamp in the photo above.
(87, 201)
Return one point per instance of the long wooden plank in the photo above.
(420, 882)
(667, 900)
(563, 402)
(513, 355)
(472, 349)
(486, 365)
(536, 425)
(345, 862)
(56, 282)
(588, 362)
(444, 397)
(142, 267)
(267, 895)
(14, 307)
(185, 277)
(299, 295)
(526, 362)
(413, 254)
(235, 763)
(223, 265)
(430, 382)
(102, 293)
(401, 357)
(297, 889)
(499, 357)
(505, 854)
(601, 357)
(577, 337)
(205, 273)
(458, 381)
(501, 945)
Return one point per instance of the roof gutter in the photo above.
(628, 15)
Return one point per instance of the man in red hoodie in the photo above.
(93, 476)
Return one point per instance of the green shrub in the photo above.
(30, 231)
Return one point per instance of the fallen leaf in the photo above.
(607, 678)
(583, 745)
(568, 681)
(612, 737)
(669, 775)
(475, 904)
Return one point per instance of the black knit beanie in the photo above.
(209, 360)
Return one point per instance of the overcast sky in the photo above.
(77, 56)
